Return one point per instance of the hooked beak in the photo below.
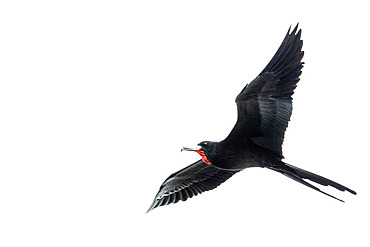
(197, 148)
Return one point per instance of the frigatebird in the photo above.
(264, 109)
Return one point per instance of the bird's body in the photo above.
(264, 109)
(238, 157)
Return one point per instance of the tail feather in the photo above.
(319, 179)
(299, 175)
(300, 180)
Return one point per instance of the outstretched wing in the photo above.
(188, 182)
(265, 105)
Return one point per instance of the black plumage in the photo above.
(190, 181)
(264, 109)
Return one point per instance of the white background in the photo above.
(98, 97)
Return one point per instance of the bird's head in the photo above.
(205, 149)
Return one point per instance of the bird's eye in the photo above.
(205, 144)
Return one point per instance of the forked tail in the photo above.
(299, 175)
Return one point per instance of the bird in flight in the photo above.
(264, 109)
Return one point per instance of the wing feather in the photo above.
(188, 182)
(265, 104)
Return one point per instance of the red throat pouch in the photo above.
(204, 157)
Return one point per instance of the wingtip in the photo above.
(152, 206)
(295, 29)
(150, 209)
(294, 32)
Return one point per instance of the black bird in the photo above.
(264, 109)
